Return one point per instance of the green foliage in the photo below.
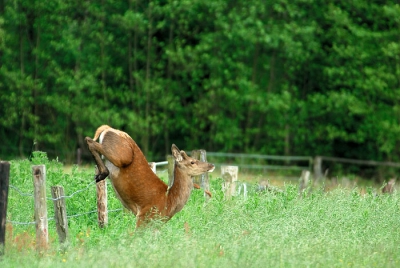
(336, 229)
(272, 77)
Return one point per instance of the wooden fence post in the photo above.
(102, 212)
(4, 184)
(388, 188)
(196, 155)
(171, 167)
(60, 213)
(79, 156)
(317, 168)
(230, 175)
(304, 181)
(39, 182)
(202, 179)
(244, 186)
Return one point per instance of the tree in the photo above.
(271, 77)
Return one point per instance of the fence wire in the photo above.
(55, 199)
(50, 198)
(93, 211)
(19, 191)
(70, 216)
(21, 223)
(70, 196)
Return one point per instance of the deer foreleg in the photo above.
(94, 148)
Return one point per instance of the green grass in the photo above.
(340, 228)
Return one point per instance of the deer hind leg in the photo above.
(116, 148)
(95, 148)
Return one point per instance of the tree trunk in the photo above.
(22, 72)
(146, 137)
(272, 72)
(169, 78)
(130, 63)
(135, 61)
(35, 89)
(103, 59)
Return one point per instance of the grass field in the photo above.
(340, 228)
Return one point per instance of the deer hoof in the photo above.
(100, 177)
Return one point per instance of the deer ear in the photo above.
(183, 154)
(176, 153)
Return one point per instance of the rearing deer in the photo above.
(135, 184)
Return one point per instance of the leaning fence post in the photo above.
(101, 190)
(4, 184)
(60, 213)
(39, 182)
(202, 179)
(230, 175)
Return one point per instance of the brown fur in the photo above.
(135, 184)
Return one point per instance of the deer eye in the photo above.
(192, 162)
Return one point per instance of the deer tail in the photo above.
(100, 130)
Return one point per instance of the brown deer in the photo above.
(136, 185)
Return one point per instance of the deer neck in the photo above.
(180, 191)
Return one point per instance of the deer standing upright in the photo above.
(136, 185)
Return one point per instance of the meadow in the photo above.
(339, 228)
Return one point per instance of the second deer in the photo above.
(135, 184)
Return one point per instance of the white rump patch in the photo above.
(102, 137)
(101, 140)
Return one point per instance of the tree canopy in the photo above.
(301, 77)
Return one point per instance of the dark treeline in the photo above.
(302, 77)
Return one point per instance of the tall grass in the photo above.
(336, 229)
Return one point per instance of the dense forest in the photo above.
(300, 77)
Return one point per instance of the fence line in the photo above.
(242, 157)
(360, 162)
(163, 163)
(318, 172)
(260, 156)
(314, 164)
(50, 198)
(21, 223)
(55, 199)
(70, 216)
(69, 196)
(19, 191)
(93, 211)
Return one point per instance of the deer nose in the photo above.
(211, 167)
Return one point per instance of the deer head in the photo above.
(189, 165)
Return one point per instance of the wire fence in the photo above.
(261, 162)
(20, 192)
(16, 189)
